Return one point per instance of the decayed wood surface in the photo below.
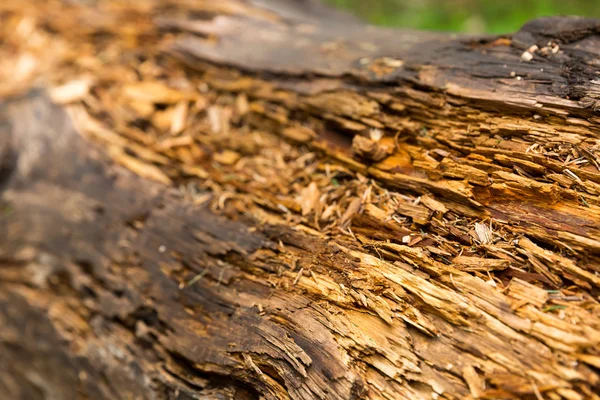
(268, 199)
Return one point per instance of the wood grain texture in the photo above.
(267, 199)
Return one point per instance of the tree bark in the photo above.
(269, 199)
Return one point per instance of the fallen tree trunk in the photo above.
(272, 200)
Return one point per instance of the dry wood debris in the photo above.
(484, 240)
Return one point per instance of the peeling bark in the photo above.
(270, 200)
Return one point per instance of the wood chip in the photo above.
(484, 233)
(140, 168)
(171, 142)
(219, 119)
(195, 171)
(299, 134)
(227, 157)
(369, 149)
(480, 264)
(162, 119)
(433, 204)
(309, 198)
(419, 214)
(352, 209)
(153, 92)
(474, 381)
(179, 117)
(70, 92)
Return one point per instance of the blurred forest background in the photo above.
(472, 16)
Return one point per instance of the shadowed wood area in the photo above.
(270, 200)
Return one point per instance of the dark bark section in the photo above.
(485, 72)
(63, 199)
(94, 243)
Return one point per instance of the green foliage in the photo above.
(474, 16)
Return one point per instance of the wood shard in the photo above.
(480, 264)
(180, 114)
(70, 92)
(434, 204)
(227, 157)
(153, 92)
(299, 134)
(419, 214)
(309, 198)
(369, 149)
(476, 384)
(352, 209)
(140, 168)
(484, 233)
(523, 291)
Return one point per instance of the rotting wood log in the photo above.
(268, 199)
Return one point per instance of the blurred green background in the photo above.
(473, 16)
